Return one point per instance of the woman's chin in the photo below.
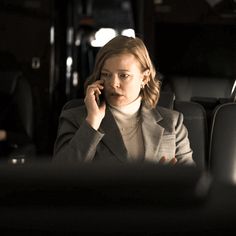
(117, 102)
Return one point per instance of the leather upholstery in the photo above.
(223, 143)
(16, 115)
(196, 124)
(187, 88)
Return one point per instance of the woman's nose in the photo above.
(115, 81)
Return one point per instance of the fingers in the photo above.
(95, 88)
(95, 109)
(164, 160)
(97, 83)
(173, 161)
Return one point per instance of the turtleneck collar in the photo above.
(128, 110)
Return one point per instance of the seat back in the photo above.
(189, 88)
(166, 99)
(210, 92)
(24, 100)
(16, 108)
(196, 124)
(16, 90)
(223, 143)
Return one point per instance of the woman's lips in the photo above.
(116, 95)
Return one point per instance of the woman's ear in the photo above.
(146, 76)
(146, 72)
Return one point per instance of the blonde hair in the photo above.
(122, 44)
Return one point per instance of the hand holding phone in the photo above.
(100, 98)
(94, 101)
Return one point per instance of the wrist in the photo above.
(93, 122)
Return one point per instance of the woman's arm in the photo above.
(75, 142)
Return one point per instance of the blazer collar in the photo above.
(112, 138)
(152, 132)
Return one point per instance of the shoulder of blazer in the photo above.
(169, 117)
(75, 114)
(165, 112)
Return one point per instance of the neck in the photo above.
(130, 109)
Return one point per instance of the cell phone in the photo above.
(100, 98)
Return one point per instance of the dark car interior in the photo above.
(47, 52)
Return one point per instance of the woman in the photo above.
(126, 126)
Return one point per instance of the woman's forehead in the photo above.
(125, 60)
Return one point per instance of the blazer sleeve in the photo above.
(75, 141)
(183, 150)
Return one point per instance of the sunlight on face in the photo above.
(123, 77)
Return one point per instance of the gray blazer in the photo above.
(163, 132)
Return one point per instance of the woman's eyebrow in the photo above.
(120, 70)
(104, 69)
(123, 70)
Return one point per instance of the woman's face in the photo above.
(122, 77)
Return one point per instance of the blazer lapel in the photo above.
(152, 133)
(112, 138)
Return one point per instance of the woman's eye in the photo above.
(105, 74)
(123, 76)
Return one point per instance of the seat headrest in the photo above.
(187, 87)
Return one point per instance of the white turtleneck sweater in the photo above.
(129, 122)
